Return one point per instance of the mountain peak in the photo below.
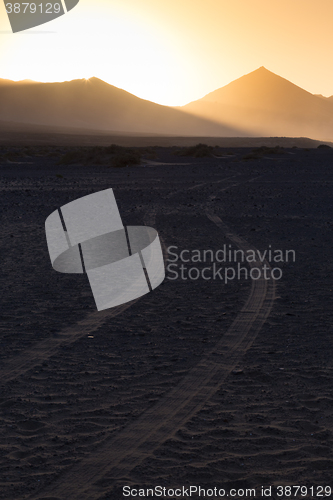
(82, 81)
(97, 81)
(258, 89)
(267, 104)
(94, 79)
(262, 71)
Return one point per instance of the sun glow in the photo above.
(128, 53)
(174, 52)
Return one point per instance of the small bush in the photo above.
(71, 157)
(151, 156)
(252, 156)
(258, 153)
(10, 156)
(198, 151)
(114, 156)
(113, 149)
(269, 151)
(125, 159)
(28, 151)
(91, 157)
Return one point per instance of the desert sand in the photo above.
(200, 382)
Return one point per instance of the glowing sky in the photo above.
(176, 51)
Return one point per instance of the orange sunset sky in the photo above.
(175, 51)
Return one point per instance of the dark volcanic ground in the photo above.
(65, 392)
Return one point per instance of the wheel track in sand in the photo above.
(43, 350)
(118, 455)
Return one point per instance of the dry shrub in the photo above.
(198, 151)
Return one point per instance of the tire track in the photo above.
(43, 350)
(116, 457)
(203, 184)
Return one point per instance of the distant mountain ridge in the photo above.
(20, 82)
(268, 105)
(95, 105)
(260, 104)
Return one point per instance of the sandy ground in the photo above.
(198, 383)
